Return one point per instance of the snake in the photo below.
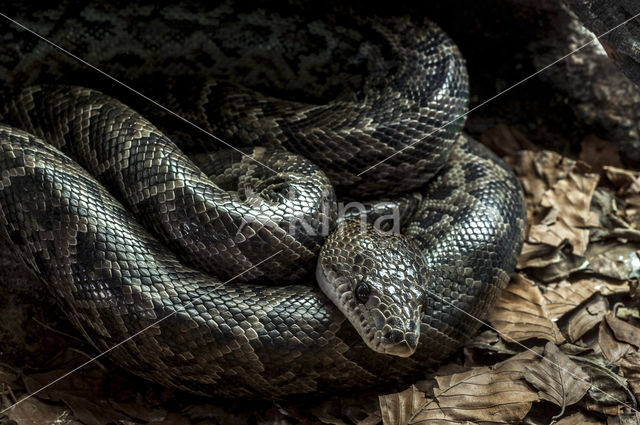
(275, 295)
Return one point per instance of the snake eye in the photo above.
(362, 292)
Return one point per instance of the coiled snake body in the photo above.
(398, 80)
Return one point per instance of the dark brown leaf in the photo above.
(587, 317)
(558, 379)
(565, 296)
(521, 313)
(612, 349)
(623, 331)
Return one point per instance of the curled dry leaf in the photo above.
(625, 181)
(569, 215)
(558, 379)
(496, 394)
(558, 192)
(630, 367)
(619, 341)
(627, 185)
(624, 419)
(401, 408)
(564, 296)
(608, 389)
(612, 349)
(538, 171)
(521, 313)
(587, 317)
(617, 259)
(489, 340)
(623, 331)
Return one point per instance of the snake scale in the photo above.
(342, 89)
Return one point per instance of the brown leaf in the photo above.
(625, 181)
(521, 313)
(555, 230)
(616, 339)
(401, 408)
(627, 184)
(569, 215)
(565, 296)
(587, 317)
(538, 171)
(607, 387)
(558, 379)
(496, 394)
(623, 331)
(630, 366)
(617, 259)
(612, 349)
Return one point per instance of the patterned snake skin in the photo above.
(351, 90)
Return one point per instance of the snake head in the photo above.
(378, 282)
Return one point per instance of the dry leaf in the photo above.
(630, 367)
(607, 387)
(558, 379)
(558, 192)
(623, 331)
(564, 296)
(521, 313)
(627, 184)
(616, 339)
(496, 394)
(555, 230)
(617, 259)
(612, 349)
(569, 216)
(625, 181)
(587, 317)
(538, 171)
(490, 340)
(622, 418)
(401, 408)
